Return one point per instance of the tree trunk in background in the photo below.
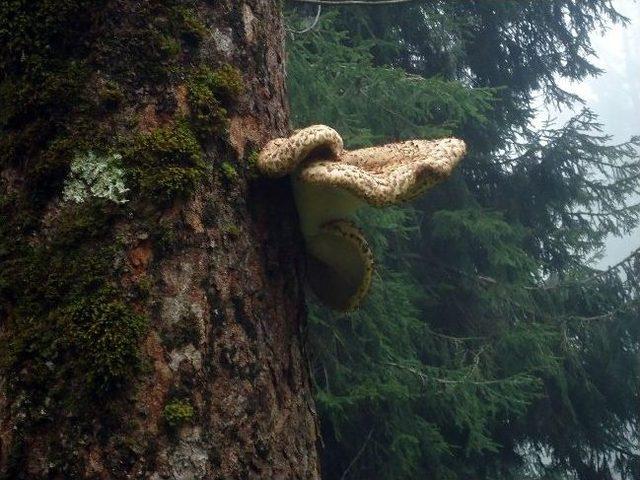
(158, 338)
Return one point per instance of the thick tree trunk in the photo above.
(158, 338)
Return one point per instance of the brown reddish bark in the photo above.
(232, 278)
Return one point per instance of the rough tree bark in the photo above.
(158, 338)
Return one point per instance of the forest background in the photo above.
(494, 345)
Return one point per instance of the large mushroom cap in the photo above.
(282, 155)
(389, 174)
(330, 184)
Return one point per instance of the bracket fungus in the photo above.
(331, 183)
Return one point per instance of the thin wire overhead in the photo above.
(354, 2)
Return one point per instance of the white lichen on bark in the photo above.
(93, 176)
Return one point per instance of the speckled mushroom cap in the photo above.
(391, 173)
(330, 184)
(282, 155)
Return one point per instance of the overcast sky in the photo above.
(615, 97)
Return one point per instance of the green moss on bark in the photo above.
(229, 171)
(71, 79)
(81, 349)
(50, 96)
(70, 333)
(190, 27)
(211, 92)
(34, 127)
(178, 412)
(166, 163)
(43, 74)
(110, 96)
(251, 163)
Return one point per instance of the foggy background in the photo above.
(615, 97)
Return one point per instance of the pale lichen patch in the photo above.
(249, 20)
(223, 40)
(94, 176)
(188, 354)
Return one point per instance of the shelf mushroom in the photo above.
(331, 183)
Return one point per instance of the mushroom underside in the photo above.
(340, 265)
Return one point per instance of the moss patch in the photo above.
(190, 28)
(251, 163)
(232, 230)
(70, 78)
(34, 125)
(42, 85)
(110, 95)
(33, 33)
(105, 332)
(166, 163)
(70, 334)
(210, 93)
(55, 98)
(178, 412)
(79, 350)
(229, 171)
(54, 105)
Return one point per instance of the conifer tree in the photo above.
(490, 347)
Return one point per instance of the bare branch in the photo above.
(425, 378)
(313, 23)
(355, 459)
(627, 259)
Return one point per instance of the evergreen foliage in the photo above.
(335, 81)
(489, 347)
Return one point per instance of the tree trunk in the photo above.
(152, 329)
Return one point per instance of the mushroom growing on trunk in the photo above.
(331, 183)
